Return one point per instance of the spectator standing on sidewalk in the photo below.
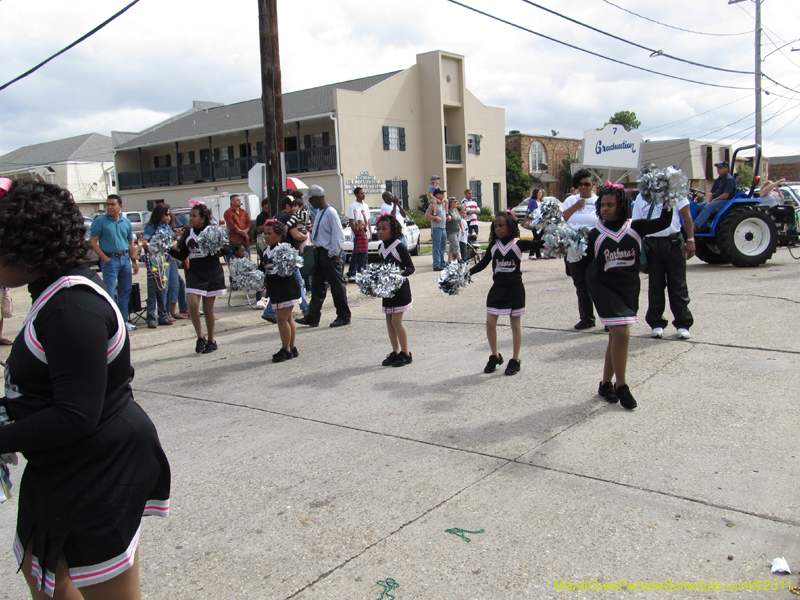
(436, 214)
(238, 222)
(112, 240)
(473, 210)
(358, 215)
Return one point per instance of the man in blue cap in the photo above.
(724, 189)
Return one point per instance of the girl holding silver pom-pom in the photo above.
(205, 279)
(284, 291)
(612, 276)
(393, 251)
(507, 294)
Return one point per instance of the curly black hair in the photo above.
(511, 222)
(395, 228)
(277, 226)
(623, 201)
(41, 228)
(205, 213)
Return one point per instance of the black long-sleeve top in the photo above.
(397, 253)
(506, 257)
(189, 247)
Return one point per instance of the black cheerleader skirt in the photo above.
(205, 277)
(87, 502)
(504, 300)
(615, 304)
(283, 291)
(400, 302)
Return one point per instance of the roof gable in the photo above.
(90, 147)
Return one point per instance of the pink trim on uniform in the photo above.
(94, 574)
(619, 321)
(390, 310)
(46, 583)
(157, 508)
(286, 304)
(516, 312)
(205, 294)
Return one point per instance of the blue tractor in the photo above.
(745, 232)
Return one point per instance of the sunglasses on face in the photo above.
(583, 184)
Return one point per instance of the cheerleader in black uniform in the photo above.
(284, 292)
(612, 276)
(393, 251)
(507, 294)
(204, 279)
(94, 462)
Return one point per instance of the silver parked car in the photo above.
(138, 219)
(374, 243)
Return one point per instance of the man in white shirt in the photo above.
(392, 205)
(473, 210)
(580, 210)
(358, 215)
(666, 267)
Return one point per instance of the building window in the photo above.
(394, 138)
(473, 143)
(316, 140)
(538, 158)
(398, 187)
(475, 186)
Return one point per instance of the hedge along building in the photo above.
(386, 132)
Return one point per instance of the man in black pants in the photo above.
(328, 237)
(580, 211)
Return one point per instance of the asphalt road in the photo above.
(319, 477)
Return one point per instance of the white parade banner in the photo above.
(611, 148)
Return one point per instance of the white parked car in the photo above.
(374, 243)
(522, 209)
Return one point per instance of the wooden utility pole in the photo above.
(271, 99)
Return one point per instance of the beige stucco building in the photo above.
(82, 164)
(391, 131)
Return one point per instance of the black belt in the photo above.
(114, 254)
(671, 236)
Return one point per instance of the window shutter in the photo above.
(401, 134)
(404, 184)
(480, 196)
(216, 154)
(389, 185)
(477, 144)
(326, 138)
(168, 160)
(155, 162)
(230, 152)
(385, 137)
(306, 142)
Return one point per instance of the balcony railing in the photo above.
(314, 159)
(452, 153)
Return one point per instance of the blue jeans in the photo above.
(439, 239)
(707, 210)
(269, 312)
(117, 277)
(358, 262)
(156, 299)
(176, 287)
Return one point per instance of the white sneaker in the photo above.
(129, 326)
(657, 333)
(683, 334)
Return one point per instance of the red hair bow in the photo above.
(5, 186)
(618, 186)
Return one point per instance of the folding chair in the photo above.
(135, 305)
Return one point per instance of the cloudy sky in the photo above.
(158, 57)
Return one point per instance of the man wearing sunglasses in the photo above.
(580, 211)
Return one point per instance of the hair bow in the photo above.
(383, 214)
(512, 215)
(618, 186)
(5, 186)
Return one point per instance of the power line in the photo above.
(653, 52)
(784, 127)
(671, 26)
(72, 45)
(614, 60)
(657, 128)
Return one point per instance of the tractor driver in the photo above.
(724, 189)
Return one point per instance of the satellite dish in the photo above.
(554, 132)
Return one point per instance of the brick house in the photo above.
(785, 167)
(542, 156)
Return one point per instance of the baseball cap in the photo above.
(437, 191)
(435, 177)
(452, 199)
(722, 163)
(314, 190)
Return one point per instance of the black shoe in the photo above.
(302, 321)
(584, 324)
(438, 268)
(340, 322)
(626, 399)
(200, 345)
(605, 328)
(272, 320)
(513, 367)
(390, 358)
(295, 353)
(210, 347)
(607, 391)
(281, 355)
(491, 366)
(402, 360)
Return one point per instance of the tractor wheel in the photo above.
(709, 253)
(748, 236)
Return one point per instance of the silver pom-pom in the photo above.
(160, 242)
(454, 277)
(212, 239)
(380, 280)
(286, 259)
(664, 186)
(548, 213)
(562, 240)
(245, 277)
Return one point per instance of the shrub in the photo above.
(486, 214)
(419, 219)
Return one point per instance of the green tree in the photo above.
(517, 183)
(566, 173)
(626, 118)
(744, 175)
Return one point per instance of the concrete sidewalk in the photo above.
(318, 477)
